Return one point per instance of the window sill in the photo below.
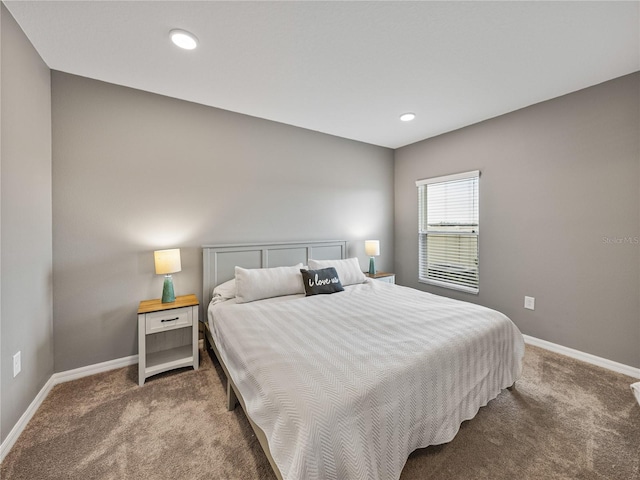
(450, 286)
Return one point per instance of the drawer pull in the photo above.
(169, 319)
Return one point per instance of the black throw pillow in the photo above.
(321, 281)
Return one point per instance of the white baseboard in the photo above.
(54, 380)
(585, 357)
(17, 429)
(93, 369)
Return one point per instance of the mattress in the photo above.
(346, 386)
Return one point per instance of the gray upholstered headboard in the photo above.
(219, 261)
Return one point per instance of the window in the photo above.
(448, 231)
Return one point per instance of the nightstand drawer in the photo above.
(168, 320)
(385, 277)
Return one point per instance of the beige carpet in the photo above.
(565, 420)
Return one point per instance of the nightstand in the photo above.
(167, 336)
(382, 276)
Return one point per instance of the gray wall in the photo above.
(25, 191)
(134, 172)
(559, 185)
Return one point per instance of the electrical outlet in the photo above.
(17, 364)
(530, 303)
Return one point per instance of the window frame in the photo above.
(423, 233)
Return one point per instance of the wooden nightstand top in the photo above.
(156, 305)
(379, 275)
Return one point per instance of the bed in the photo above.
(346, 386)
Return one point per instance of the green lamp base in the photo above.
(167, 291)
(372, 266)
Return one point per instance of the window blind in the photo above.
(449, 231)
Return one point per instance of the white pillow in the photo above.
(226, 290)
(348, 270)
(258, 283)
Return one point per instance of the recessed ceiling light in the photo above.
(407, 117)
(184, 39)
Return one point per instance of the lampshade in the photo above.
(372, 247)
(167, 261)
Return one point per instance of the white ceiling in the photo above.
(345, 68)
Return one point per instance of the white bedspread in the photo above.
(346, 386)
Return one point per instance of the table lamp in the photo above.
(167, 262)
(372, 248)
